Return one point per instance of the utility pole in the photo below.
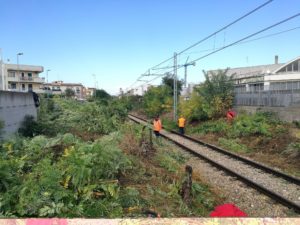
(175, 87)
(18, 69)
(185, 71)
(47, 88)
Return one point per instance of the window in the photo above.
(295, 66)
(29, 87)
(11, 74)
(289, 67)
(256, 87)
(12, 85)
(56, 88)
(280, 86)
(240, 88)
(23, 87)
(29, 76)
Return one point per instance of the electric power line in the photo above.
(240, 40)
(243, 42)
(247, 37)
(211, 35)
(216, 32)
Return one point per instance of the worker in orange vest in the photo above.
(157, 126)
(181, 124)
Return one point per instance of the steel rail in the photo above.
(260, 188)
(258, 165)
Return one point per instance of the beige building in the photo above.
(21, 78)
(89, 92)
(59, 87)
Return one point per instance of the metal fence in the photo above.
(271, 98)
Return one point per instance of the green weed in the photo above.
(233, 145)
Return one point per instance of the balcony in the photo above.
(27, 79)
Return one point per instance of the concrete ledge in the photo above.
(13, 108)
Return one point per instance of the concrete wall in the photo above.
(289, 114)
(13, 108)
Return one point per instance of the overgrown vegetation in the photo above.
(157, 100)
(264, 124)
(86, 119)
(61, 176)
(69, 163)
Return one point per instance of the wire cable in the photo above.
(211, 35)
(242, 40)
(218, 31)
(247, 37)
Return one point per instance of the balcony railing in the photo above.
(27, 79)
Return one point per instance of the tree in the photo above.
(193, 109)
(217, 92)
(102, 94)
(169, 81)
(157, 100)
(69, 93)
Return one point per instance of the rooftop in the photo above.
(29, 68)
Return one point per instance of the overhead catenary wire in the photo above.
(244, 42)
(247, 37)
(211, 35)
(216, 32)
(240, 40)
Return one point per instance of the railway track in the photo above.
(279, 186)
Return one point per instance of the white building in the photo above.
(20, 78)
(275, 77)
(272, 88)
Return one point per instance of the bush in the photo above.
(245, 125)
(193, 109)
(219, 126)
(297, 123)
(233, 145)
(84, 119)
(157, 101)
(58, 177)
(29, 127)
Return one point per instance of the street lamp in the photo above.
(21, 53)
(18, 70)
(47, 86)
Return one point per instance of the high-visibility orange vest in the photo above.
(181, 122)
(156, 125)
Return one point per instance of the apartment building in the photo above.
(59, 87)
(20, 78)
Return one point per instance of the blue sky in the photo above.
(117, 40)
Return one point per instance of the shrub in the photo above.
(245, 125)
(297, 123)
(157, 100)
(219, 126)
(29, 127)
(193, 109)
(233, 145)
(217, 92)
(35, 183)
